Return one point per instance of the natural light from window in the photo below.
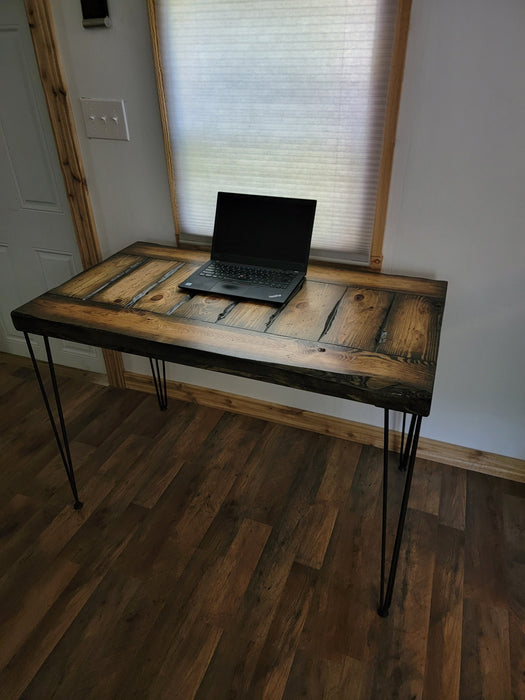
(279, 97)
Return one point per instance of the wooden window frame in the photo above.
(389, 132)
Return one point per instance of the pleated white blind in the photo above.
(279, 97)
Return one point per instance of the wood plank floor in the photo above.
(219, 556)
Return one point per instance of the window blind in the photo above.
(279, 97)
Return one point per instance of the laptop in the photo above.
(260, 248)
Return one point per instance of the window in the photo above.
(282, 97)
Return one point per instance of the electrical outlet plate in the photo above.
(105, 119)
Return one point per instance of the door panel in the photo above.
(38, 249)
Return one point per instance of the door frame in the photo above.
(40, 19)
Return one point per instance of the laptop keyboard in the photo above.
(278, 279)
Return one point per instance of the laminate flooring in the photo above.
(221, 556)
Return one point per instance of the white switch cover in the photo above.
(105, 119)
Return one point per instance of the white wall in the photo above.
(456, 210)
(127, 180)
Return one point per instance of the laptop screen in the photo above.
(263, 230)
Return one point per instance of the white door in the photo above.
(38, 249)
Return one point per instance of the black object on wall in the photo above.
(95, 13)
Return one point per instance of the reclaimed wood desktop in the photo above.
(356, 335)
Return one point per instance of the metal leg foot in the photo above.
(385, 596)
(160, 382)
(61, 439)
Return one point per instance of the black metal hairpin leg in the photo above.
(409, 458)
(404, 451)
(160, 383)
(62, 442)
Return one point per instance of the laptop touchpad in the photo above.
(226, 287)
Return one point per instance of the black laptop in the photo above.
(260, 248)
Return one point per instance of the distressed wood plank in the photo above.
(373, 280)
(206, 308)
(250, 316)
(125, 290)
(412, 328)
(344, 275)
(166, 252)
(359, 316)
(372, 377)
(308, 313)
(323, 341)
(165, 296)
(90, 281)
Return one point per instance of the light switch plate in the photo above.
(105, 119)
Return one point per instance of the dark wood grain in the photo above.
(277, 655)
(166, 296)
(132, 286)
(96, 278)
(412, 328)
(347, 333)
(443, 658)
(307, 314)
(349, 327)
(485, 668)
(220, 556)
(251, 316)
(401, 653)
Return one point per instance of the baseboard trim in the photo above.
(434, 450)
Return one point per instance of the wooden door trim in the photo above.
(41, 25)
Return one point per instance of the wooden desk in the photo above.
(356, 335)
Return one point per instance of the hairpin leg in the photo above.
(404, 452)
(160, 383)
(62, 440)
(385, 597)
